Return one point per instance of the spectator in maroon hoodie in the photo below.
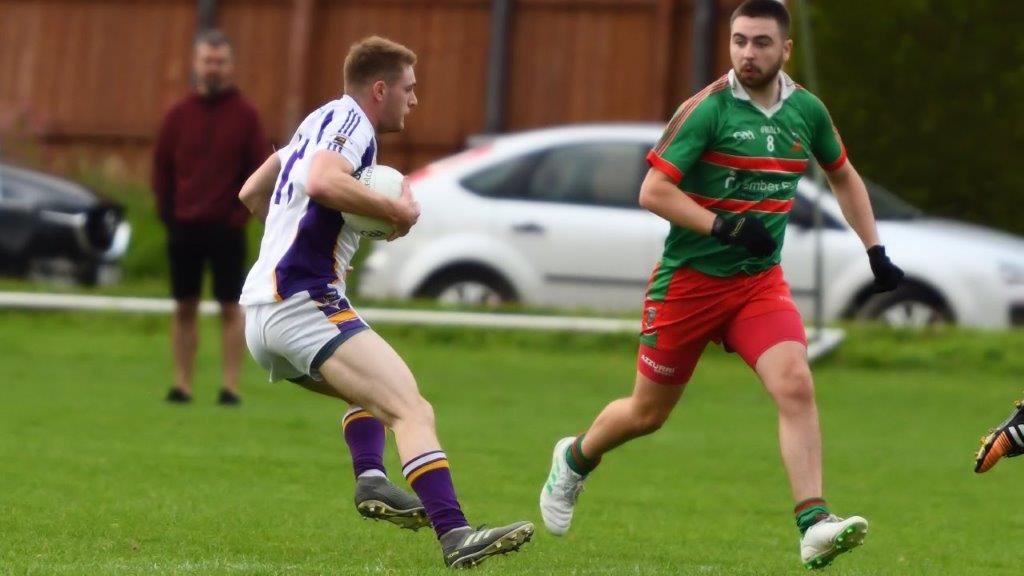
(208, 145)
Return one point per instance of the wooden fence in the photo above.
(88, 80)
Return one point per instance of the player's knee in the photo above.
(186, 310)
(230, 312)
(416, 412)
(795, 386)
(425, 413)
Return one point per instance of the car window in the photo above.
(504, 180)
(604, 174)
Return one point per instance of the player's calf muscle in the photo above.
(647, 419)
(389, 393)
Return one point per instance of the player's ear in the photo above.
(787, 49)
(379, 89)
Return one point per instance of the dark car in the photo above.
(53, 227)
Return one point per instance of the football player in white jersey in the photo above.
(300, 325)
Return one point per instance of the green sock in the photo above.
(577, 462)
(809, 512)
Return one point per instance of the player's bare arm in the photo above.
(852, 195)
(259, 187)
(853, 199)
(331, 184)
(662, 197)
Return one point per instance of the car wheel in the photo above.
(906, 307)
(88, 275)
(468, 286)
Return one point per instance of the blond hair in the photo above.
(375, 58)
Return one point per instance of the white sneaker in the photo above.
(829, 538)
(559, 494)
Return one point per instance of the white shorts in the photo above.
(292, 338)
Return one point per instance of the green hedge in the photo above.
(929, 98)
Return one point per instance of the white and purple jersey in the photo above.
(307, 246)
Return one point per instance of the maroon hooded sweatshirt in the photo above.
(207, 147)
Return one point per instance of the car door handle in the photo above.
(528, 228)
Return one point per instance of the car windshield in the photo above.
(888, 206)
(30, 186)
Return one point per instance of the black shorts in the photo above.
(190, 246)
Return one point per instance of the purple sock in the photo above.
(364, 435)
(429, 476)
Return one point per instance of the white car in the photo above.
(550, 218)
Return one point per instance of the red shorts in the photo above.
(749, 314)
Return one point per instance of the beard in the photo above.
(758, 78)
(214, 84)
(391, 127)
(392, 122)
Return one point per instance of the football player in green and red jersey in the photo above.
(724, 174)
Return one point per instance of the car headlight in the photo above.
(1012, 272)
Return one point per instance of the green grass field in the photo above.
(100, 476)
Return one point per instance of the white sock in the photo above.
(373, 472)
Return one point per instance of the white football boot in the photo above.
(559, 494)
(829, 538)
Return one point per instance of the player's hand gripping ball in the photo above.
(383, 180)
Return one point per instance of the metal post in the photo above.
(703, 47)
(296, 75)
(497, 66)
(206, 14)
(811, 73)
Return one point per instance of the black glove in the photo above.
(887, 274)
(746, 231)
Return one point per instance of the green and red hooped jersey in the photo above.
(733, 156)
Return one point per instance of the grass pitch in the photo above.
(99, 476)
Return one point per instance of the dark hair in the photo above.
(212, 37)
(765, 9)
(375, 58)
